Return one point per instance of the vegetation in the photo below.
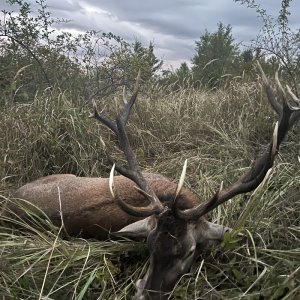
(218, 57)
(220, 133)
(278, 41)
(220, 129)
(215, 57)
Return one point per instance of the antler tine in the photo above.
(133, 171)
(181, 180)
(296, 114)
(269, 91)
(103, 119)
(126, 111)
(293, 96)
(253, 178)
(279, 86)
(134, 211)
(141, 212)
(129, 104)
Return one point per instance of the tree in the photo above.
(32, 57)
(278, 40)
(215, 56)
(129, 59)
(181, 77)
(183, 73)
(89, 64)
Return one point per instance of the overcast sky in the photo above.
(173, 25)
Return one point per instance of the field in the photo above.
(219, 132)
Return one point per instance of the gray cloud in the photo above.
(173, 25)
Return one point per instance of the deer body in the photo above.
(87, 206)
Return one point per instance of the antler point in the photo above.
(111, 181)
(181, 180)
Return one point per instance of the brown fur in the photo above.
(87, 206)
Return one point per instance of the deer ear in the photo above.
(139, 229)
(211, 232)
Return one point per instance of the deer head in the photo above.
(176, 232)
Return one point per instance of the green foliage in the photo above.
(181, 77)
(279, 40)
(90, 64)
(132, 58)
(122, 66)
(215, 57)
(218, 58)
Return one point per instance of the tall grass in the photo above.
(219, 132)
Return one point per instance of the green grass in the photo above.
(220, 133)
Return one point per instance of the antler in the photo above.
(251, 180)
(133, 170)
